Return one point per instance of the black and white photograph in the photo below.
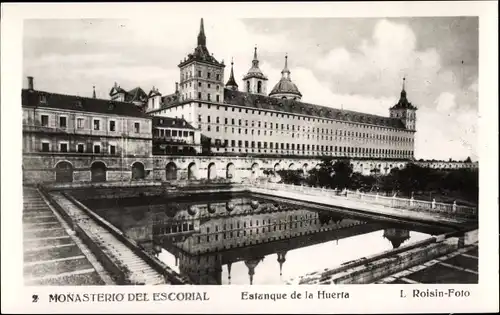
(205, 149)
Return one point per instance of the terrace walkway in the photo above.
(138, 270)
(52, 254)
(430, 212)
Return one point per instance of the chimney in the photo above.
(30, 84)
(176, 87)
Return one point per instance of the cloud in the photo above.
(445, 102)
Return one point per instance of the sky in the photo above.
(351, 63)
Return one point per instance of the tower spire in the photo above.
(403, 91)
(202, 39)
(231, 83)
(285, 72)
(93, 92)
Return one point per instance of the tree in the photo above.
(294, 177)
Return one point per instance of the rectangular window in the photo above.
(199, 96)
(45, 147)
(62, 122)
(217, 98)
(208, 96)
(136, 127)
(112, 149)
(63, 147)
(97, 148)
(80, 148)
(199, 73)
(112, 125)
(174, 133)
(45, 120)
(208, 119)
(79, 123)
(97, 124)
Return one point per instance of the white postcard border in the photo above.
(225, 299)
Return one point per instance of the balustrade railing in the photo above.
(393, 202)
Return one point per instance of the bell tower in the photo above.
(255, 81)
(201, 75)
(404, 110)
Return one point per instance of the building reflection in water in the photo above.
(198, 238)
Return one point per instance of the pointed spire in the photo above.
(231, 83)
(202, 40)
(255, 53)
(403, 92)
(285, 72)
(93, 92)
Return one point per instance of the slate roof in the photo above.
(285, 86)
(403, 102)
(136, 94)
(78, 103)
(201, 52)
(170, 99)
(231, 83)
(171, 122)
(296, 107)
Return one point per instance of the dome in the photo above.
(285, 86)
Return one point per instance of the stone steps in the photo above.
(140, 271)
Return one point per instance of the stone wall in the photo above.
(41, 167)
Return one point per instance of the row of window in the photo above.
(79, 148)
(274, 227)
(308, 147)
(338, 132)
(187, 75)
(200, 85)
(80, 123)
(292, 116)
(187, 96)
(172, 133)
(293, 135)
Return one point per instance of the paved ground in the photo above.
(52, 255)
(368, 207)
(460, 266)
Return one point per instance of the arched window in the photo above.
(248, 86)
(259, 87)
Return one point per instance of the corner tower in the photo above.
(201, 75)
(404, 110)
(255, 81)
